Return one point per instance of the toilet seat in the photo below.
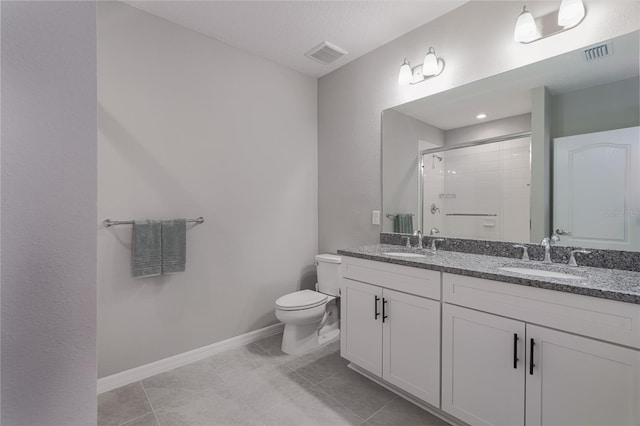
(304, 299)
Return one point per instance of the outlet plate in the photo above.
(375, 217)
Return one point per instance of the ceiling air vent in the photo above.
(326, 53)
(598, 51)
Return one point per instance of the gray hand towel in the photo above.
(174, 245)
(403, 223)
(147, 248)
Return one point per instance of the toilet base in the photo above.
(298, 340)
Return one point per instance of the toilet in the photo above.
(311, 318)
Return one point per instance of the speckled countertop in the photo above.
(611, 284)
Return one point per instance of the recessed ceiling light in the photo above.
(481, 116)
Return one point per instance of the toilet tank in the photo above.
(329, 273)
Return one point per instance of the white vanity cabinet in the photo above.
(493, 353)
(580, 381)
(483, 367)
(489, 362)
(390, 328)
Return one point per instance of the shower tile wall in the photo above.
(491, 180)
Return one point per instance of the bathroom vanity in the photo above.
(478, 343)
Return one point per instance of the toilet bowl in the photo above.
(311, 318)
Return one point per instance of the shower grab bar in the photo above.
(391, 216)
(109, 222)
(471, 214)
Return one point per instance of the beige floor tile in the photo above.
(313, 409)
(319, 365)
(179, 386)
(265, 387)
(240, 360)
(122, 405)
(212, 410)
(259, 385)
(402, 412)
(361, 395)
(148, 420)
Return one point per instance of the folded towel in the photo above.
(174, 245)
(403, 223)
(146, 250)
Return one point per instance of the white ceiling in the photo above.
(282, 31)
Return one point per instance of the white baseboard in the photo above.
(138, 373)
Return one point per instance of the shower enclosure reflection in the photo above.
(479, 191)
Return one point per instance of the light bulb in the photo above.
(430, 65)
(571, 12)
(406, 75)
(525, 27)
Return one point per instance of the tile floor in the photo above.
(257, 384)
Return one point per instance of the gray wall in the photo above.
(596, 109)
(189, 126)
(476, 41)
(48, 213)
(403, 136)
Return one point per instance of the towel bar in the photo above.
(471, 214)
(109, 222)
(391, 216)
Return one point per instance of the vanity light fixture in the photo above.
(431, 67)
(570, 15)
(406, 75)
(526, 30)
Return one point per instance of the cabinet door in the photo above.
(361, 340)
(483, 367)
(411, 344)
(580, 381)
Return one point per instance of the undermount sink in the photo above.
(541, 273)
(402, 254)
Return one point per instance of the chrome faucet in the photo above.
(434, 231)
(418, 233)
(546, 243)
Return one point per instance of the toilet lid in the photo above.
(304, 299)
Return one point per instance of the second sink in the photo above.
(541, 273)
(403, 254)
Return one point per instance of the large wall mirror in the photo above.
(552, 147)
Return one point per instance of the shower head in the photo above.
(433, 160)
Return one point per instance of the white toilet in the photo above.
(311, 317)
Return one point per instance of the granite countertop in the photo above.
(613, 284)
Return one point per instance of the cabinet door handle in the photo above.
(375, 308)
(384, 315)
(531, 364)
(515, 350)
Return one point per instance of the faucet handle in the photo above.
(525, 251)
(409, 242)
(433, 243)
(572, 258)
